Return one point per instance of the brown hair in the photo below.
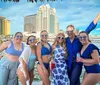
(86, 34)
(18, 33)
(33, 47)
(28, 39)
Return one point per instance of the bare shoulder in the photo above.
(6, 43)
(39, 45)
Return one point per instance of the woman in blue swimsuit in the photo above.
(90, 59)
(27, 62)
(9, 62)
(43, 53)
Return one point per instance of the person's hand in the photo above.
(79, 59)
(52, 61)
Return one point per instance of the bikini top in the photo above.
(45, 50)
(12, 51)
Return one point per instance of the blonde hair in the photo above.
(43, 31)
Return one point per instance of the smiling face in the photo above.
(70, 31)
(31, 40)
(18, 37)
(60, 38)
(83, 37)
(44, 36)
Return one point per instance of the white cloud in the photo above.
(76, 12)
(98, 29)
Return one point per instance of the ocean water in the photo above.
(97, 44)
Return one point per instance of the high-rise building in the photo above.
(30, 23)
(4, 26)
(1, 25)
(45, 19)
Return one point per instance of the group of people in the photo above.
(67, 55)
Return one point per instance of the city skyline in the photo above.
(44, 19)
(76, 12)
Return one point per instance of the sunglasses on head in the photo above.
(32, 40)
(70, 31)
(44, 35)
(19, 36)
(60, 38)
(82, 37)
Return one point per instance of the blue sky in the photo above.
(76, 12)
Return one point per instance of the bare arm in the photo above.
(4, 45)
(94, 60)
(24, 65)
(93, 24)
(96, 19)
(24, 58)
(38, 53)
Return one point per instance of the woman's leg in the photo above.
(31, 75)
(12, 80)
(21, 76)
(43, 83)
(44, 77)
(85, 74)
(4, 74)
(91, 79)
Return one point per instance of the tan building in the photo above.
(1, 24)
(30, 23)
(45, 19)
(4, 26)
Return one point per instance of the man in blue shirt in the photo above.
(74, 46)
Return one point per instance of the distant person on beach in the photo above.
(74, 46)
(89, 56)
(27, 61)
(59, 72)
(44, 50)
(10, 62)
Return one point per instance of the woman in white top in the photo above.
(27, 62)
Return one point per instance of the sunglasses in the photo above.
(82, 37)
(60, 38)
(19, 36)
(32, 40)
(44, 35)
(70, 31)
